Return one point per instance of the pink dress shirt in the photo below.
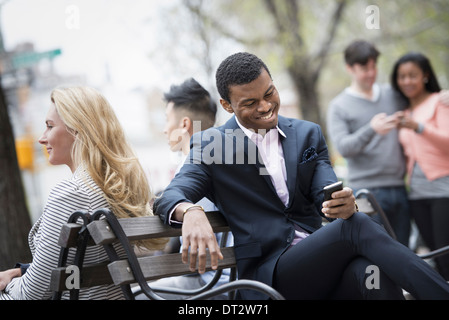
(270, 150)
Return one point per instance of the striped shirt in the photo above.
(77, 193)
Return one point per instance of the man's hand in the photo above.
(197, 234)
(406, 121)
(342, 204)
(382, 124)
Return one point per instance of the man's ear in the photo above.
(185, 123)
(226, 105)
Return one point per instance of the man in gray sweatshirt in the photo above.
(362, 127)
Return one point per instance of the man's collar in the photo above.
(250, 132)
(376, 93)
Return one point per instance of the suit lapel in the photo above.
(244, 149)
(290, 149)
(248, 148)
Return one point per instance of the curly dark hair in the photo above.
(239, 68)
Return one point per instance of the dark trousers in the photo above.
(432, 218)
(332, 264)
(394, 202)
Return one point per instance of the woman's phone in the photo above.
(328, 190)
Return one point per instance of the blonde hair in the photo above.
(100, 145)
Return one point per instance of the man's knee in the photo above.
(374, 283)
(364, 280)
(360, 220)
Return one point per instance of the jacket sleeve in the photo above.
(191, 184)
(323, 174)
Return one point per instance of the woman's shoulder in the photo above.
(70, 187)
(79, 192)
(427, 109)
(434, 98)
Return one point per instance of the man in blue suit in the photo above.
(266, 174)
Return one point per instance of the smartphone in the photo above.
(328, 190)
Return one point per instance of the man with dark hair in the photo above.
(362, 124)
(276, 217)
(228, 74)
(187, 104)
(360, 52)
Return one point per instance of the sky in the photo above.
(99, 38)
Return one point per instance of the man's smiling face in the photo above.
(255, 104)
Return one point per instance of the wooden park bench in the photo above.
(103, 228)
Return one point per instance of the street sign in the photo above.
(28, 59)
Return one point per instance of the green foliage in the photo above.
(291, 35)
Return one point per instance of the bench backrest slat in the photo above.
(118, 272)
(93, 275)
(69, 235)
(155, 267)
(139, 228)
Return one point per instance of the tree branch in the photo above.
(207, 19)
(288, 24)
(325, 47)
(410, 32)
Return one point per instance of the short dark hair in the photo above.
(239, 68)
(194, 99)
(424, 64)
(360, 52)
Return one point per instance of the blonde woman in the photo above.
(83, 133)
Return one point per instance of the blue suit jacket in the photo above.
(224, 167)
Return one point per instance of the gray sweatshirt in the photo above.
(373, 160)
